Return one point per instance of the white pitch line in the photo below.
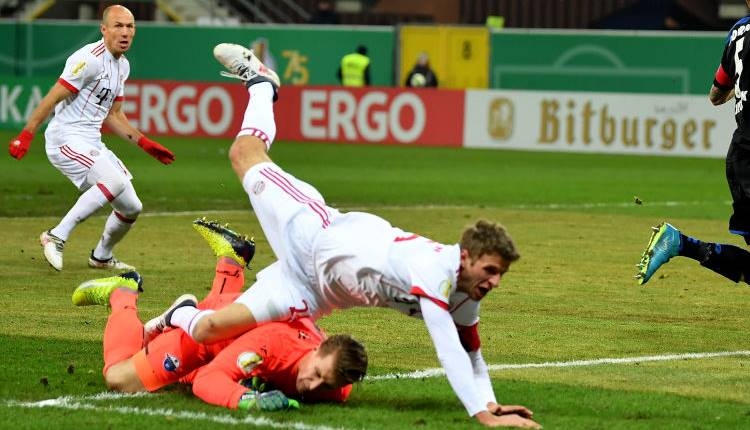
(546, 206)
(80, 403)
(430, 373)
(85, 402)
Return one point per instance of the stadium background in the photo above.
(568, 202)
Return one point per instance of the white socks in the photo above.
(259, 119)
(114, 230)
(89, 202)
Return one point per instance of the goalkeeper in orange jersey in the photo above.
(294, 359)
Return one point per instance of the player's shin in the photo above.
(729, 261)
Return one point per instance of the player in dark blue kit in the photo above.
(731, 81)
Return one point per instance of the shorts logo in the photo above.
(94, 153)
(258, 187)
(171, 363)
(248, 360)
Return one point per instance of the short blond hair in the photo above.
(490, 238)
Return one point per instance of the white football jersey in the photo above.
(361, 260)
(97, 80)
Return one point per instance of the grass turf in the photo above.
(570, 297)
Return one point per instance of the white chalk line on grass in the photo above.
(429, 373)
(541, 206)
(85, 403)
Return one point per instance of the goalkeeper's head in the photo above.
(351, 357)
(340, 360)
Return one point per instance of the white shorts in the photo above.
(75, 156)
(277, 297)
(330, 259)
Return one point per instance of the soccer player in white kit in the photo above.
(331, 260)
(90, 93)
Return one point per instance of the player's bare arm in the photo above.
(118, 122)
(719, 96)
(20, 145)
(55, 95)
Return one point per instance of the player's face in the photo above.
(478, 277)
(317, 372)
(118, 30)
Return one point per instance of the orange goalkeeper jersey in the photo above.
(272, 352)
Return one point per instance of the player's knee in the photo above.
(112, 187)
(118, 380)
(128, 205)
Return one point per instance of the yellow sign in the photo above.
(459, 56)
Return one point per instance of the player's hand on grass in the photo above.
(269, 401)
(20, 145)
(496, 409)
(506, 420)
(164, 155)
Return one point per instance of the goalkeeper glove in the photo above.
(269, 401)
(164, 155)
(20, 144)
(255, 383)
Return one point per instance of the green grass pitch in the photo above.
(570, 297)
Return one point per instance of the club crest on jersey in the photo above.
(78, 68)
(248, 361)
(171, 363)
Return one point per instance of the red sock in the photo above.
(229, 278)
(123, 335)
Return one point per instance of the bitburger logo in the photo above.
(500, 118)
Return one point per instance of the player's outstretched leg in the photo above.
(245, 66)
(225, 242)
(111, 263)
(664, 244)
(97, 291)
(727, 260)
(53, 249)
(157, 324)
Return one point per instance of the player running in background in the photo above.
(331, 260)
(731, 81)
(295, 358)
(90, 93)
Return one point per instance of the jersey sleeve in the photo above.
(218, 382)
(432, 279)
(455, 361)
(120, 96)
(80, 69)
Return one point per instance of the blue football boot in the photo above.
(663, 245)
